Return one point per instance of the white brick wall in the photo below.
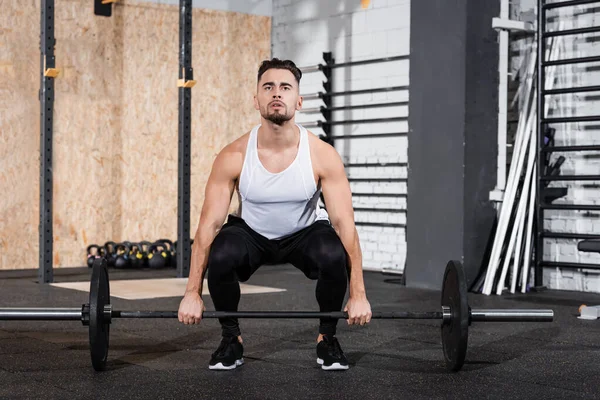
(583, 163)
(302, 31)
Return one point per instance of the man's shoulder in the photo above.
(232, 155)
(238, 145)
(319, 148)
(315, 142)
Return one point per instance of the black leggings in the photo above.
(238, 251)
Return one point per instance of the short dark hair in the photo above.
(279, 64)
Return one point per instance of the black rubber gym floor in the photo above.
(163, 359)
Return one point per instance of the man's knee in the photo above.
(328, 255)
(227, 253)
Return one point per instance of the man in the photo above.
(279, 170)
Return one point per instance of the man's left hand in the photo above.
(359, 311)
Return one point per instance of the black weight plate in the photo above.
(99, 328)
(455, 333)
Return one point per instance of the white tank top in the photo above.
(276, 205)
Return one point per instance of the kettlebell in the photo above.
(111, 255)
(171, 259)
(135, 256)
(92, 256)
(144, 247)
(158, 255)
(122, 259)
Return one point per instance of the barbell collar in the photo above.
(446, 315)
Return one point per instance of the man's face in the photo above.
(277, 96)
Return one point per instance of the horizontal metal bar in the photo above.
(309, 125)
(368, 121)
(370, 135)
(399, 195)
(577, 31)
(560, 4)
(571, 178)
(319, 124)
(512, 315)
(377, 179)
(311, 68)
(364, 91)
(75, 314)
(279, 314)
(557, 264)
(512, 25)
(312, 110)
(585, 118)
(370, 105)
(353, 107)
(579, 89)
(480, 315)
(320, 67)
(371, 61)
(388, 210)
(554, 149)
(577, 207)
(568, 61)
(40, 314)
(312, 96)
(565, 235)
(383, 224)
(379, 164)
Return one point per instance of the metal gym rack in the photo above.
(327, 123)
(46, 97)
(544, 202)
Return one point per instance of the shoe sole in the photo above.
(333, 367)
(221, 367)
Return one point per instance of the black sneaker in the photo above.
(229, 355)
(330, 355)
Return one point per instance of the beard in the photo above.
(277, 117)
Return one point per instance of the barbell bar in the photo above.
(77, 314)
(455, 314)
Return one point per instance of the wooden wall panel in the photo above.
(115, 148)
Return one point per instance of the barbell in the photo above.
(455, 314)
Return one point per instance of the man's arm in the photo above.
(338, 198)
(217, 199)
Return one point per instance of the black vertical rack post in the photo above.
(545, 175)
(327, 86)
(46, 95)
(185, 84)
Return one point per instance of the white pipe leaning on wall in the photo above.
(517, 167)
(523, 205)
(515, 170)
(528, 236)
(520, 218)
(517, 226)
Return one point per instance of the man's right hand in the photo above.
(191, 309)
